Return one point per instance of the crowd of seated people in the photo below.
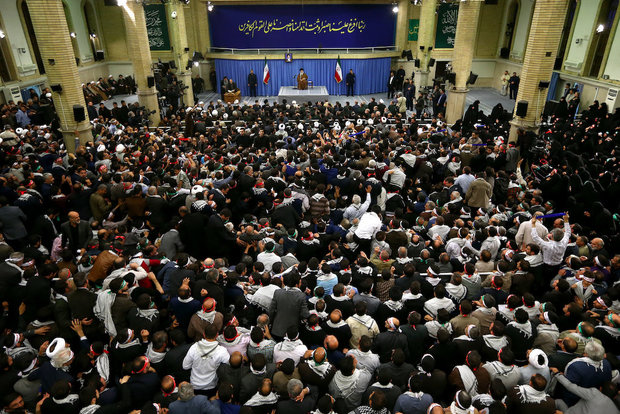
(310, 257)
(103, 89)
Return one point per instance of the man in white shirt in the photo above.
(553, 250)
(369, 225)
(291, 347)
(267, 256)
(204, 358)
(464, 180)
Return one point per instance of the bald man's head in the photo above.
(392, 324)
(208, 305)
(331, 343)
(319, 355)
(167, 384)
(236, 359)
(335, 316)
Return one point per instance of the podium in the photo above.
(231, 97)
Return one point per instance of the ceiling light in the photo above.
(2, 35)
(210, 6)
(395, 9)
(600, 28)
(72, 34)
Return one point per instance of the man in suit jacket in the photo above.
(171, 243)
(12, 219)
(292, 305)
(391, 84)
(252, 82)
(441, 102)
(81, 302)
(76, 233)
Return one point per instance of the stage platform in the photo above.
(313, 93)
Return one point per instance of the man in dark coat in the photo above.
(252, 82)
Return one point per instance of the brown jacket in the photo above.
(197, 326)
(479, 194)
(102, 266)
(481, 374)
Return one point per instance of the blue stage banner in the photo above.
(310, 26)
(372, 74)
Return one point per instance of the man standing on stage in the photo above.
(514, 85)
(224, 86)
(252, 82)
(302, 80)
(391, 85)
(350, 81)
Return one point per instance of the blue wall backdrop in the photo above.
(312, 26)
(372, 74)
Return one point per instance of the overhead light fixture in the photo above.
(600, 28)
(173, 14)
(210, 6)
(121, 2)
(93, 35)
(2, 35)
(72, 34)
(395, 8)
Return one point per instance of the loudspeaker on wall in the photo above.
(522, 108)
(78, 113)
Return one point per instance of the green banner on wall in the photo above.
(414, 25)
(447, 16)
(157, 26)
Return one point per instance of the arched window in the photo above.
(91, 25)
(566, 31)
(32, 37)
(600, 37)
(511, 22)
(74, 43)
(7, 72)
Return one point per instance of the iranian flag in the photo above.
(266, 72)
(338, 74)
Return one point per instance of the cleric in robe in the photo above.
(302, 79)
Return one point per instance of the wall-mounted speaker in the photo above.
(451, 77)
(57, 87)
(99, 55)
(417, 63)
(78, 113)
(150, 81)
(431, 62)
(472, 78)
(172, 64)
(543, 84)
(522, 108)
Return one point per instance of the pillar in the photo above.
(542, 46)
(52, 31)
(140, 54)
(426, 38)
(462, 56)
(402, 25)
(180, 49)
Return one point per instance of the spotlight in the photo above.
(210, 6)
(173, 14)
(93, 35)
(395, 8)
(2, 34)
(72, 34)
(600, 28)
